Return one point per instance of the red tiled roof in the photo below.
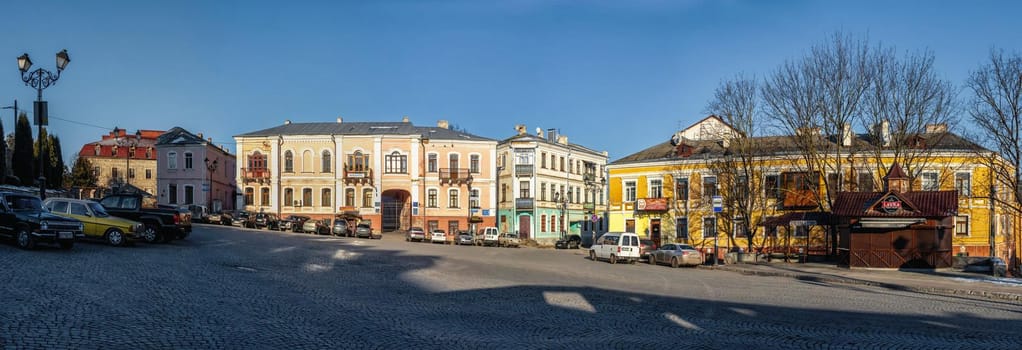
(921, 204)
(896, 172)
(109, 141)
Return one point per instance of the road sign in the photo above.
(718, 204)
(205, 187)
(595, 218)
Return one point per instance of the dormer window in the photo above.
(683, 150)
(96, 150)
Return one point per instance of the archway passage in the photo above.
(395, 209)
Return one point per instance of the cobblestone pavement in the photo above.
(249, 289)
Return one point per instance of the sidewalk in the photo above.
(944, 282)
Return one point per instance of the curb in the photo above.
(932, 290)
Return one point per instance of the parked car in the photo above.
(465, 238)
(489, 236)
(161, 224)
(267, 221)
(212, 218)
(569, 242)
(364, 229)
(240, 219)
(23, 218)
(292, 223)
(616, 246)
(226, 218)
(416, 234)
(508, 240)
(340, 228)
(646, 246)
(200, 213)
(438, 236)
(676, 255)
(97, 223)
(319, 227)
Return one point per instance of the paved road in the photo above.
(241, 288)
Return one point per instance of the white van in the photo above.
(616, 246)
(488, 236)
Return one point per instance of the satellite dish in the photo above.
(676, 139)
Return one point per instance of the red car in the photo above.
(646, 246)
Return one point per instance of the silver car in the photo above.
(465, 238)
(676, 255)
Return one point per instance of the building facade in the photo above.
(667, 191)
(193, 170)
(395, 174)
(120, 159)
(550, 187)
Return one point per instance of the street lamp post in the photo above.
(131, 143)
(211, 168)
(40, 79)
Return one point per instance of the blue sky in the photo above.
(618, 76)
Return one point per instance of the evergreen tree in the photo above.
(21, 161)
(81, 174)
(3, 152)
(56, 169)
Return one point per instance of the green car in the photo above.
(98, 224)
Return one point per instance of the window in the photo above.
(367, 198)
(553, 192)
(928, 181)
(306, 197)
(189, 194)
(542, 160)
(431, 196)
(740, 230)
(542, 191)
(709, 187)
(801, 231)
(962, 226)
(358, 162)
(289, 162)
(349, 197)
(629, 194)
(681, 188)
(473, 199)
(307, 161)
(433, 225)
(772, 186)
(149, 173)
(431, 163)
(115, 173)
(524, 190)
(58, 207)
(172, 194)
(681, 228)
(396, 163)
(79, 209)
(452, 161)
(289, 197)
(865, 182)
(570, 197)
(172, 160)
(742, 182)
(257, 161)
(833, 184)
(656, 188)
(452, 198)
(963, 184)
(96, 171)
(473, 163)
(562, 164)
(324, 197)
(503, 193)
(264, 196)
(709, 227)
(131, 173)
(249, 196)
(188, 161)
(326, 161)
(149, 153)
(542, 223)
(630, 225)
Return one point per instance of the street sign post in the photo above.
(718, 204)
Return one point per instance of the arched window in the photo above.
(396, 163)
(324, 197)
(306, 197)
(431, 198)
(289, 197)
(452, 198)
(257, 161)
(349, 197)
(367, 198)
(289, 162)
(452, 161)
(358, 162)
(326, 162)
(171, 160)
(249, 193)
(265, 196)
(307, 161)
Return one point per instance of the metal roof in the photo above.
(364, 128)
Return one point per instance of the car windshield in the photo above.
(98, 210)
(24, 203)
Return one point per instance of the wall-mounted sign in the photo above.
(890, 204)
(651, 204)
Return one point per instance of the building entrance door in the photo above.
(654, 231)
(524, 226)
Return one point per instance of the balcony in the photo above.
(358, 176)
(255, 174)
(524, 170)
(589, 177)
(524, 203)
(455, 175)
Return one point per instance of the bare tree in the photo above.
(996, 109)
(740, 171)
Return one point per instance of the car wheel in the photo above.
(65, 245)
(592, 255)
(613, 259)
(25, 240)
(674, 262)
(149, 233)
(651, 260)
(115, 237)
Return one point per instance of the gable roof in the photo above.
(179, 136)
(364, 128)
(922, 203)
(526, 137)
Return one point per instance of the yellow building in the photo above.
(120, 158)
(395, 174)
(666, 192)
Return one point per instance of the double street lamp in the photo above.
(131, 143)
(211, 168)
(40, 79)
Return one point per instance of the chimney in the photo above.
(846, 134)
(885, 132)
(441, 124)
(520, 128)
(339, 120)
(286, 122)
(935, 128)
(404, 119)
(539, 132)
(551, 135)
(561, 139)
(200, 135)
(209, 139)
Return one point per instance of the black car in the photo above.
(263, 220)
(569, 242)
(23, 218)
(293, 223)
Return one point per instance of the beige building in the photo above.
(395, 174)
(120, 158)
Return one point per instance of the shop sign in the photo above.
(890, 204)
(651, 204)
